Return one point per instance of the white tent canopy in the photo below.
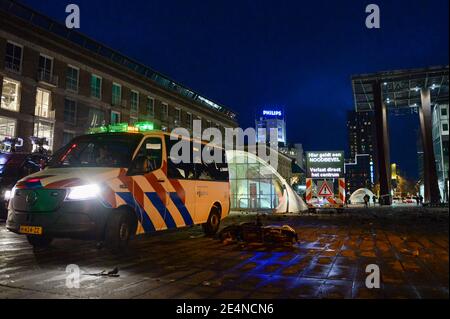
(358, 196)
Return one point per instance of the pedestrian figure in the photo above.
(421, 199)
(366, 200)
(374, 199)
(417, 200)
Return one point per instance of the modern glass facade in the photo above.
(254, 184)
(440, 146)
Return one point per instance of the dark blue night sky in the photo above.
(299, 55)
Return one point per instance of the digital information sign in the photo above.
(325, 164)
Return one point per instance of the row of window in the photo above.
(41, 128)
(13, 62)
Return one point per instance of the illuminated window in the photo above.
(10, 95)
(96, 117)
(116, 94)
(96, 86)
(44, 129)
(72, 75)
(13, 57)
(42, 108)
(7, 127)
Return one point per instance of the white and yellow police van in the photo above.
(113, 185)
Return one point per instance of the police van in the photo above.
(122, 182)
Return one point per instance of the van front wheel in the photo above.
(212, 224)
(118, 231)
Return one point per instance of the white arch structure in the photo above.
(358, 196)
(290, 201)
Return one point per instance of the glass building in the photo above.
(440, 146)
(255, 185)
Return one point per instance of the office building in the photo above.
(57, 83)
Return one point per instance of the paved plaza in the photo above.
(410, 246)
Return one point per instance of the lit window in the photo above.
(42, 107)
(72, 74)
(70, 111)
(44, 129)
(96, 86)
(13, 57)
(96, 117)
(10, 95)
(134, 101)
(116, 94)
(7, 127)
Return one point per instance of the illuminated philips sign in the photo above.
(271, 113)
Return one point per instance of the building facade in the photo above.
(271, 119)
(359, 173)
(362, 150)
(57, 83)
(440, 132)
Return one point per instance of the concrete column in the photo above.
(429, 161)
(382, 145)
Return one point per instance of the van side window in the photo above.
(176, 167)
(149, 157)
(212, 170)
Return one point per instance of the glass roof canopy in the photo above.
(85, 42)
(401, 89)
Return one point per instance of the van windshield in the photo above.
(97, 150)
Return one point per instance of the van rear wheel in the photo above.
(39, 241)
(118, 231)
(212, 224)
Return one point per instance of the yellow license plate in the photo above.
(32, 230)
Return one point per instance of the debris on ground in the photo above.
(256, 232)
(103, 273)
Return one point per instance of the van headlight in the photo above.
(9, 194)
(83, 192)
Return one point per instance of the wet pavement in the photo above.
(409, 247)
